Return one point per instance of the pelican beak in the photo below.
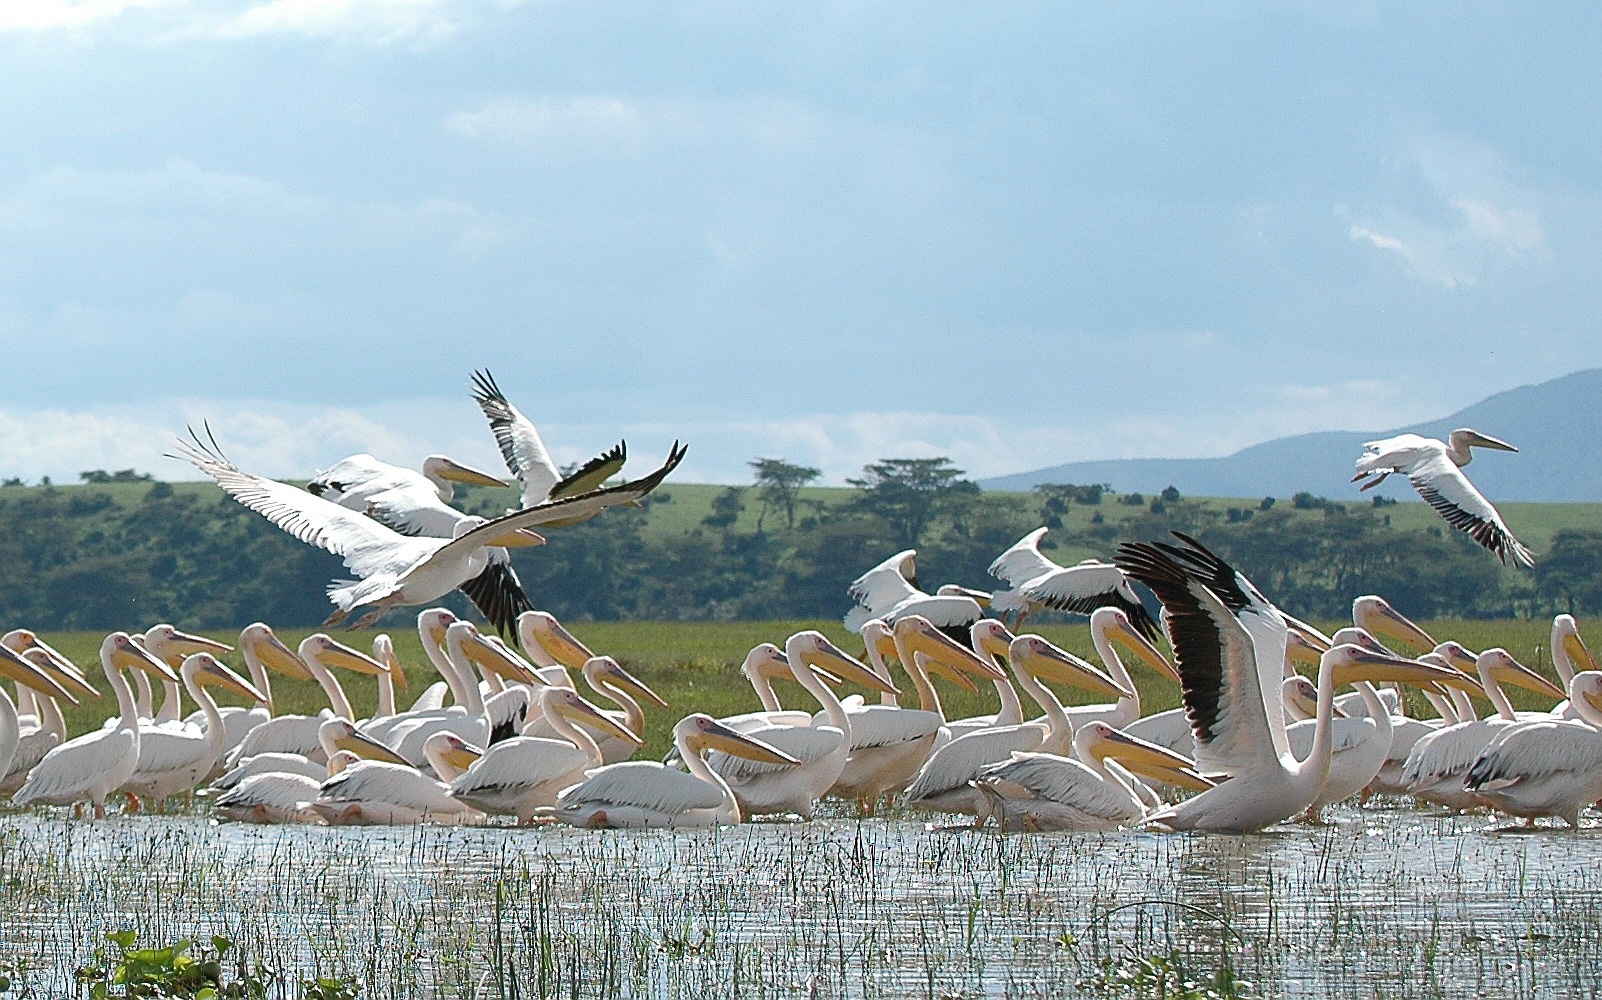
(563, 646)
(1045, 661)
(1184, 777)
(456, 472)
(919, 635)
(580, 710)
(388, 658)
(367, 748)
(1307, 632)
(717, 736)
(497, 659)
(632, 684)
(939, 668)
(1136, 753)
(886, 645)
(339, 654)
(995, 645)
(25, 672)
(130, 655)
(71, 676)
(1594, 699)
(1387, 623)
(519, 538)
(1367, 665)
(1479, 440)
(1299, 650)
(460, 754)
(826, 656)
(213, 671)
(1125, 634)
(1507, 670)
(273, 653)
(185, 643)
(1578, 653)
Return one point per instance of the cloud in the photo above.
(380, 22)
(52, 15)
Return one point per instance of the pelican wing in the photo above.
(592, 474)
(1344, 735)
(1216, 658)
(804, 743)
(397, 784)
(163, 749)
(886, 585)
(1083, 588)
(519, 441)
(964, 758)
(74, 766)
(518, 763)
(498, 593)
(283, 790)
(1447, 752)
(367, 547)
(1537, 750)
(410, 510)
(644, 784)
(1062, 780)
(888, 726)
(1023, 561)
(1444, 487)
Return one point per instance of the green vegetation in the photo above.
(120, 552)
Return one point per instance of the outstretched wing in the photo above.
(593, 473)
(1444, 487)
(521, 447)
(367, 547)
(1024, 561)
(1084, 588)
(498, 593)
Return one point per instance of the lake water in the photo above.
(1392, 903)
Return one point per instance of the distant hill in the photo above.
(1556, 425)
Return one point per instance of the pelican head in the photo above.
(171, 645)
(432, 623)
(700, 732)
(571, 705)
(1101, 741)
(451, 750)
(1500, 666)
(604, 671)
(325, 649)
(123, 653)
(1039, 658)
(1115, 624)
(384, 652)
(1465, 438)
(990, 637)
(1566, 636)
(260, 640)
(338, 735)
(1299, 650)
(1586, 688)
(464, 637)
(1376, 615)
(816, 651)
(208, 671)
(22, 640)
(1349, 663)
(876, 635)
(21, 668)
(915, 633)
(1360, 637)
(1301, 696)
(539, 628)
(981, 597)
(441, 467)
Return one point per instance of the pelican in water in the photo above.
(174, 760)
(1036, 582)
(1435, 468)
(396, 569)
(379, 793)
(1230, 645)
(639, 793)
(29, 675)
(97, 763)
(1551, 768)
(519, 776)
(527, 459)
(299, 733)
(41, 726)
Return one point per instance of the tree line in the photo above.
(88, 557)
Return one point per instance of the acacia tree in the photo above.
(910, 493)
(778, 482)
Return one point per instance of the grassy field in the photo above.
(695, 666)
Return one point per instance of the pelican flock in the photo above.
(1267, 732)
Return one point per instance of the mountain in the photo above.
(1556, 425)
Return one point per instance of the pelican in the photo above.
(95, 764)
(945, 782)
(889, 592)
(298, 733)
(990, 638)
(526, 457)
(607, 678)
(821, 749)
(281, 795)
(639, 793)
(764, 664)
(1036, 582)
(1435, 469)
(31, 676)
(173, 760)
(1546, 768)
(1227, 641)
(520, 775)
(373, 792)
(397, 569)
(167, 643)
(1570, 656)
(237, 721)
(1440, 761)
(44, 728)
(1044, 791)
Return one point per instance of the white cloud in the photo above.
(376, 21)
(51, 15)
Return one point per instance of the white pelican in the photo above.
(1037, 582)
(525, 454)
(30, 676)
(945, 782)
(167, 643)
(374, 792)
(298, 733)
(1546, 768)
(764, 664)
(889, 592)
(397, 569)
(1439, 761)
(607, 678)
(523, 774)
(1230, 645)
(95, 764)
(990, 638)
(640, 793)
(1044, 791)
(43, 728)
(281, 795)
(1435, 469)
(238, 721)
(173, 760)
(1569, 656)
(821, 748)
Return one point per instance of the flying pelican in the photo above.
(523, 774)
(1037, 582)
(1546, 768)
(639, 793)
(173, 760)
(945, 782)
(397, 569)
(1228, 642)
(1043, 791)
(889, 592)
(1435, 469)
(821, 748)
(97, 763)
(526, 457)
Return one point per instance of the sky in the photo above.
(1012, 234)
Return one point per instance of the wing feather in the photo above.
(1023, 561)
(1444, 487)
(519, 441)
(1064, 781)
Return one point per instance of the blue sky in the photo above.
(1014, 234)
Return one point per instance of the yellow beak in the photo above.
(1126, 636)
(1045, 661)
(24, 672)
(830, 658)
